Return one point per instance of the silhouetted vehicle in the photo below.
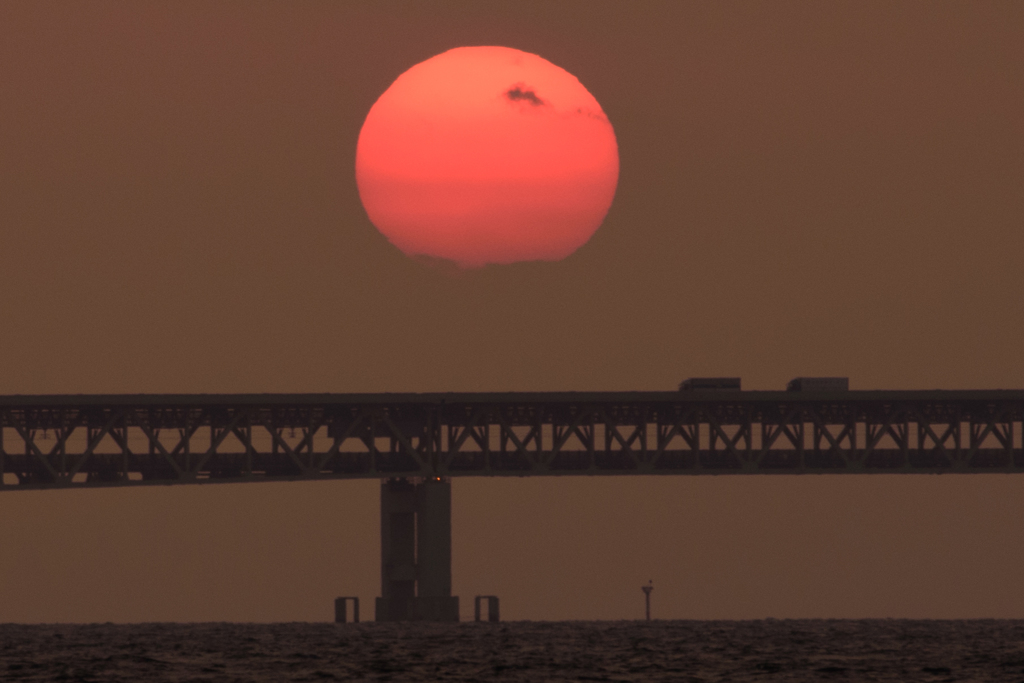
(819, 384)
(710, 384)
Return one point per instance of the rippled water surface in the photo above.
(869, 650)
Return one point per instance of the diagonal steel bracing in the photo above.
(84, 441)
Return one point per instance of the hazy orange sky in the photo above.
(805, 188)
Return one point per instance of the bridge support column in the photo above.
(416, 552)
(434, 552)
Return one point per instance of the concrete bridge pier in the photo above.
(416, 551)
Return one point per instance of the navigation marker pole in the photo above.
(647, 596)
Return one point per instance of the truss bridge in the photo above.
(85, 441)
(415, 444)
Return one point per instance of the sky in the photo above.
(805, 188)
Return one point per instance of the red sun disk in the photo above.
(487, 155)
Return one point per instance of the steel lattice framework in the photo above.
(85, 441)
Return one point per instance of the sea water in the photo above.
(768, 650)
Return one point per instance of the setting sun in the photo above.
(487, 155)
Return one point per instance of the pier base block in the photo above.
(417, 609)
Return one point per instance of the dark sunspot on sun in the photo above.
(521, 92)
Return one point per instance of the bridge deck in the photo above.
(116, 440)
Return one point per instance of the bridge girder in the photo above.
(86, 441)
